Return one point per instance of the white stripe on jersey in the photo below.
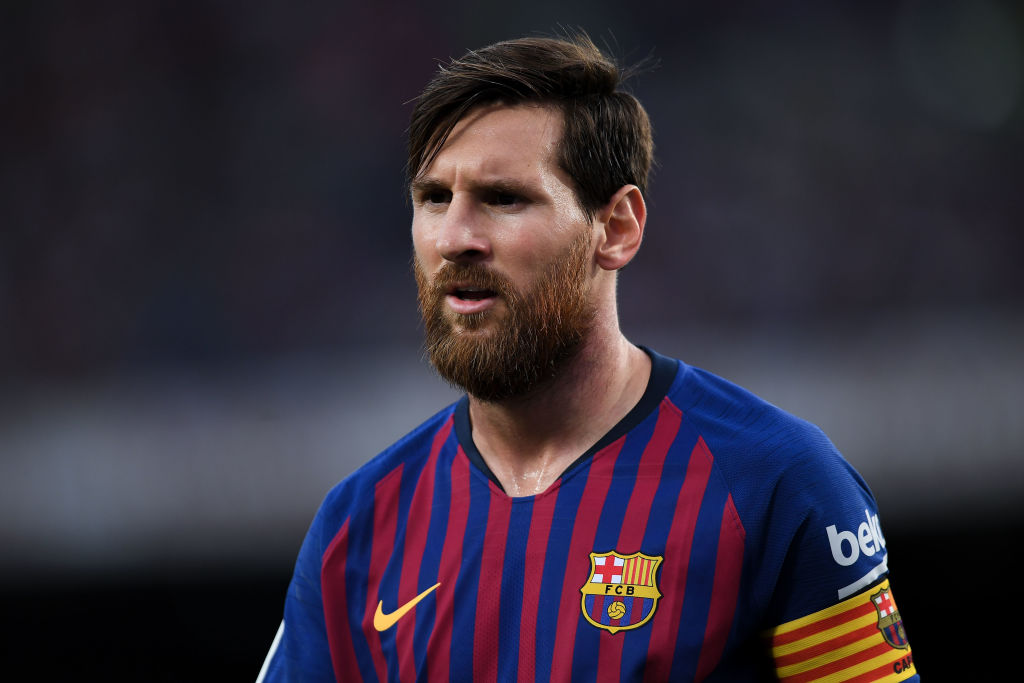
(866, 580)
(270, 655)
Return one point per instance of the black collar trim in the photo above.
(663, 373)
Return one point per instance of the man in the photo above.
(590, 510)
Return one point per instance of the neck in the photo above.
(528, 442)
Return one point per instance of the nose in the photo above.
(462, 236)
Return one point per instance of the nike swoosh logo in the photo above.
(382, 622)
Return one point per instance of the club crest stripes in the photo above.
(511, 569)
(637, 571)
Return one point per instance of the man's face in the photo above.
(502, 254)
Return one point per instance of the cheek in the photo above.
(532, 249)
(527, 266)
(421, 245)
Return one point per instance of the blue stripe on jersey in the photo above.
(426, 611)
(357, 565)
(609, 527)
(512, 577)
(393, 573)
(570, 493)
(697, 605)
(467, 585)
(659, 523)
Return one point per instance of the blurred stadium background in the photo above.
(207, 315)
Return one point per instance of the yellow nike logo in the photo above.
(382, 622)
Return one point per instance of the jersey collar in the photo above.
(663, 373)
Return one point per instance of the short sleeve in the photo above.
(833, 612)
(300, 652)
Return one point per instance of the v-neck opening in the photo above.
(663, 373)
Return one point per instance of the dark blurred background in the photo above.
(207, 314)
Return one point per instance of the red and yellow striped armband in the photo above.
(859, 639)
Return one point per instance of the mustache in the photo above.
(471, 275)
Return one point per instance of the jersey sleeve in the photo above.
(815, 558)
(833, 612)
(300, 651)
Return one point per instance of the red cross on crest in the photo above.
(884, 603)
(608, 569)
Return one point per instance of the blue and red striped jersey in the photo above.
(708, 536)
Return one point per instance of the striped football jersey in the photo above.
(708, 536)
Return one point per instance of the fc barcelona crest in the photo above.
(622, 590)
(889, 621)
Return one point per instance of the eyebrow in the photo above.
(426, 185)
(502, 185)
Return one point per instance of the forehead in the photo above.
(501, 138)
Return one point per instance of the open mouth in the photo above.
(472, 293)
(467, 300)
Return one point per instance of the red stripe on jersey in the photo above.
(488, 596)
(577, 568)
(536, 548)
(648, 477)
(335, 602)
(448, 571)
(634, 524)
(724, 591)
(416, 529)
(677, 558)
(385, 521)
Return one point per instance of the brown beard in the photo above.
(541, 329)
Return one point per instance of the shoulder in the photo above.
(767, 455)
(809, 515)
(744, 431)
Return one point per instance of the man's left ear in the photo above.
(623, 219)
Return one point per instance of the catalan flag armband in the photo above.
(859, 639)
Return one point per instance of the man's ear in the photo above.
(622, 219)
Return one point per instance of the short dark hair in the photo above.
(606, 136)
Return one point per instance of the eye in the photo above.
(504, 199)
(437, 196)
